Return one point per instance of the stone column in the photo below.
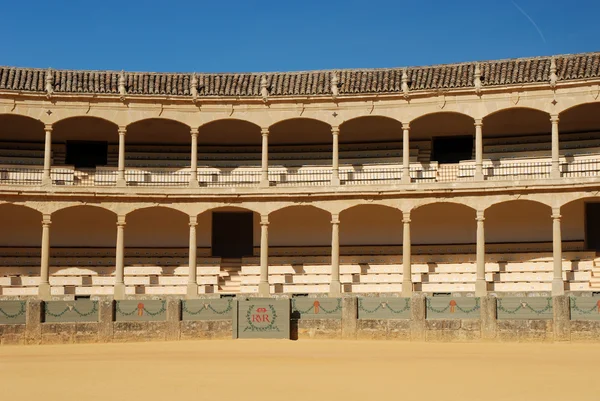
(479, 150)
(263, 286)
(264, 165)
(194, 159)
(47, 178)
(555, 172)
(335, 162)
(480, 283)
(119, 290)
(407, 287)
(44, 286)
(405, 153)
(121, 164)
(192, 286)
(558, 285)
(335, 288)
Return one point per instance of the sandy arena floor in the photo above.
(302, 370)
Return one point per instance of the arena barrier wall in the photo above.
(564, 318)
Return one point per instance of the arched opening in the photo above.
(305, 228)
(82, 251)
(516, 133)
(20, 251)
(375, 228)
(579, 140)
(518, 222)
(157, 143)
(22, 148)
(580, 224)
(442, 224)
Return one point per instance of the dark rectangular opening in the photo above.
(592, 226)
(232, 234)
(87, 154)
(452, 149)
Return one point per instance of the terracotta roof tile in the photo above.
(310, 83)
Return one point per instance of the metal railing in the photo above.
(517, 171)
(371, 177)
(299, 178)
(157, 178)
(229, 178)
(581, 168)
(20, 176)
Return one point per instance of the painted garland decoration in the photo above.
(594, 308)
(316, 307)
(453, 306)
(73, 308)
(384, 305)
(20, 312)
(141, 309)
(208, 306)
(525, 305)
(252, 327)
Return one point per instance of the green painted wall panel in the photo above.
(207, 309)
(524, 308)
(83, 310)
(141, 311)
(585, 308)
(316, 308)
(383, 308)
(453, 308)
(263, 318)
(13, 312)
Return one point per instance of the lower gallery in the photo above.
(443, 203)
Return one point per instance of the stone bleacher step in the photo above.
(229, 276)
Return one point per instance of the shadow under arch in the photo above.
(300, 131)
(158, 130)
(376, 128)
(94, 128)
(583, 117)
(516, 121)
(580, 222)
(300, 226)
(21, 127)
(229, 131)
(157, 227)
(21, 226)
(83, 226)
(371, 224)
(518, 221)
(443, 223)
(441, 123)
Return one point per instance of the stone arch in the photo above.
(300, 131)
(516, 121)
(92, 127)
(83, 226)
(18, 127)
(518, 221)
(573, 219)
(204, 220)
(158, 130)
(371, 128)
(583, 117)
(300, 226)
(229, 131)
(157, 227)
(455, 123)
(21, 226)
(370, 224)
(443, 223)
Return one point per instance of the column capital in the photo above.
(480, 215)
(193, 221)
(122, 129)
(194, 131)
(406, 126)
(48, 127)
(264, 131)
(121, 221)
(479, 122)
(556, 213)
(335, 219)
(335, 130)
(406, 219)
(264, 219)
(46, 219)
(554, 118)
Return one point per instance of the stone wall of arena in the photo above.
(436, 319)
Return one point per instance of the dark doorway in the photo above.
(592, 226)
(452, 149)
(86, 154)
(232, 234)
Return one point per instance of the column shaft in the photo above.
(480, 283)
(263, 285)
(555, 173)
(558, 286)
(44, 286)
(335, 287)
(194, 158)
(335, 161)
(478, 150)
(407, 287)
(121, 162)
(264, 165)
(119, 290)
(405, 153)
(46, 178)
(192, 288)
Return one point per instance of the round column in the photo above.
(264, 165)
(119, 290)
(406, 153)
(335, 288)
(479, 150)
(558, 285)
(263, 285)
(192, 287)
(480, 283)
(47, 178)
(335, 161)
(555, 172)
(44, 286)
(407, 286)
(121, 162)
(194, 158)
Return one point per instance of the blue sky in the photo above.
(271, 35)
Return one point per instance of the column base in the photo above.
(335, 289)
(480, 288)
(555, 172)
(46, 181)
(335, 181)
(407, 289)
(264, 184)
(194, 183)
(192, 291)
(44, 292)
(119, 291)
(558, 287)
(121, 182)
(264, 289)
(479, 177)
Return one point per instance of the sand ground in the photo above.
(300, 370)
